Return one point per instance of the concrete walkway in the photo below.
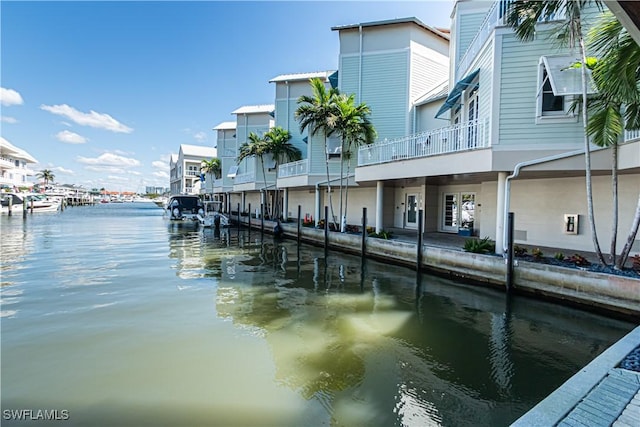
(601, 394)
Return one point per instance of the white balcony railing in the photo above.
(462, 137)
(243, 178)
(301, 167)
(631, 135)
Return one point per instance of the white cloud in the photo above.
(105, 169)
(200, 136)
(70, 137)
(136, 173)
(10, 97)
(93, 119)
(109, 159)
(61, 170)
(159, 164)
(160, 174)
(7, 119)
(117, 178)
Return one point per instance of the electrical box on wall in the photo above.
(571, 223)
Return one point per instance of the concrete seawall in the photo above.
(606, 292)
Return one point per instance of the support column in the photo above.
(500, 196)
(285, 205)
(379, 205)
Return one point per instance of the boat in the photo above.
(212, 217)
(184, 209)
(39, 202)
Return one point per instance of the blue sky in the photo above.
(101, 93)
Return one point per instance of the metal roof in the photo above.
(302, 76)
(410, 20)
(225, 126)
(198, 150)
(438, 92)
(17, 153)
(253, 109)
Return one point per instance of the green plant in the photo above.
(578, 260)
(519, 250)
(479, 246)
(559, 256)
(537, 254)
(383, 234)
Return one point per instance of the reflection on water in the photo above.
(140, 322)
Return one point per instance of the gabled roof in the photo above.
(174, 158)
(439, 91)
(255, 109)
(225, 126)
(411, 20)
(198, 150)
(302, 76)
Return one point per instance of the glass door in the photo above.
(411, 211)
(450, 212)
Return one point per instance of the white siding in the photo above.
(467, 26)
(426, 71)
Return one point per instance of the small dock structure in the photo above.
(606, 392)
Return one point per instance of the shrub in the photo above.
(578, 260)
(635, 262)
(559, 256)
(519, 250)
(479, 246)
(383, 234)
(537, 254)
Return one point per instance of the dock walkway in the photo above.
(603, 393)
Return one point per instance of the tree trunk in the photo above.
(614, 189)
(622, 259)
(341, 183)
(587, 157)
(326, 162)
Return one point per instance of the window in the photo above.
(552, 105)
(334, 146)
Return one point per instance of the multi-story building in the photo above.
(185, 176)
(509, 142)
(227, 148)
(253, 177)
(14, 161)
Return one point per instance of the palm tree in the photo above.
(616, 107)
(313, 113)
(211, 167)
(352, 123)
(255, 146)
(523, 16)
(278, 145)
(46, 175)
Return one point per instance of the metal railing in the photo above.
(301, 167)
(243, 178)
(472, 135)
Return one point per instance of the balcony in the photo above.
(301, 167)
(244, 178)
(462, 137)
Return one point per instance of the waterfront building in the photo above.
(227, 148)
(14, 169)
(472, 124)
(252, 177)
(184, 168)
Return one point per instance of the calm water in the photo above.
(115, 316)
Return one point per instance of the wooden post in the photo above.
(419, 249)
(262, 218)
(299, 223)
(31, 206)
(509, 279)
(24, 207)
(249, 224)
(10, 205)
(363, 246)
(326, 233)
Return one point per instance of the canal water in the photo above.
(111, 316)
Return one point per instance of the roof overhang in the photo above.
(456, 92)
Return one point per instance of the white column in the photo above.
(379, 205)
(500, 196)
(285, 204)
